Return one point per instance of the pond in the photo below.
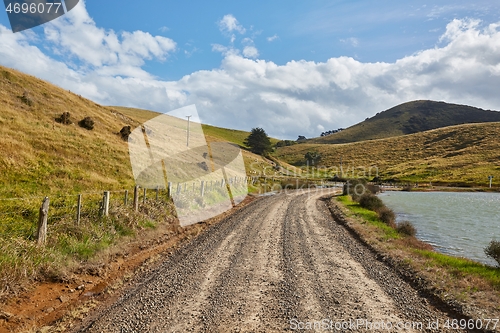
(456, 223)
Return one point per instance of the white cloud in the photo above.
(77, 35)
(299, 97)
(272, 38)
(250, 52)
(352, 41)
(229, 24)
(164, 29)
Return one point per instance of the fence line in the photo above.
(20, 218)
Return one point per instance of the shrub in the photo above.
(406, 228)
(387, 216)
(493, 250)
(26, 98)
(125, 132)
(87, 123)
(64, 119)
(355, 188)
(371, 202)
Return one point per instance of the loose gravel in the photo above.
(279, 264)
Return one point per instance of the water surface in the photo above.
(459, 224)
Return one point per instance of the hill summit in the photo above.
(411, 117)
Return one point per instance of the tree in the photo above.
(258, 142)
(312, 157)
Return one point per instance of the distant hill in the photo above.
(460, 154)
(408, 118)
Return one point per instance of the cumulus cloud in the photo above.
(272, 38)
(76, 35)
(229, 24)
(297, 98)
(250, 52)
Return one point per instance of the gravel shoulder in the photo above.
(279, 264)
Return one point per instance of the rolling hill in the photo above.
(41, 156)
(461, 154)
(409, 118)
(212, 133)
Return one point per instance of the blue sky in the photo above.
(292, 67)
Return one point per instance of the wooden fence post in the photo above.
(202, 189)
(170, 189)
(157, 192)
(144, 196)
(125, 200)
(136, 198)
(79, 209)
(42, 222)
(105, 204)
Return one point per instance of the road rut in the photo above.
(279, 264)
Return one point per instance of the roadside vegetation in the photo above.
(462, 283)
(493, 251)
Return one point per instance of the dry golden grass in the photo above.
(42, 157)
(463, 154)
(410, 117)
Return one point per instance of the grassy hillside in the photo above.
(463, 153)
(212, 133)
(408, 118)
(41, 156)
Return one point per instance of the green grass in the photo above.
(461, 267)
(368, 216)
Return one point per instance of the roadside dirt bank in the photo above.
(56, 306)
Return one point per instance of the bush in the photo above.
(406, 228)
(125, 132)
(493, 251)
(26, 98)
(87, 123)
(64, 119)
(355, 188)
(387, 216)
(371, 202)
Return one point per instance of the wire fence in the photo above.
(21, 217)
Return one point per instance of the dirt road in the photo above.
(279, 264)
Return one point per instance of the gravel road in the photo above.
(279, 264)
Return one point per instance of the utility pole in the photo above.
(341, 168)
(187, 141)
